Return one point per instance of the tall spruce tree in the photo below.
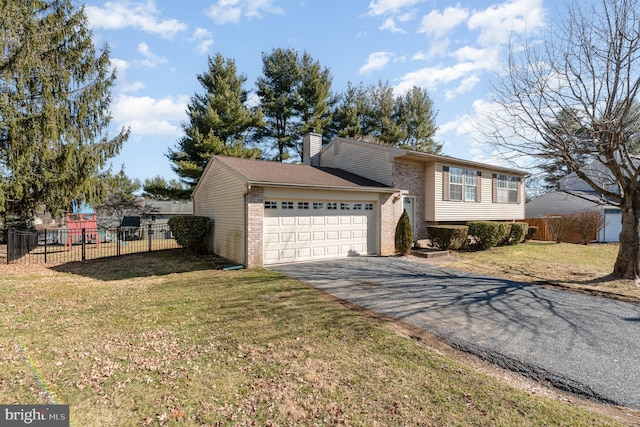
(295, 97)
(55, 91)
(219, 120)
(375, 113)
(416, 118)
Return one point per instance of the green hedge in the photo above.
(448, 236)
(190, 232)
(517, 233)
(488, 234)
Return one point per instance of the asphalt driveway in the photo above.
(580, 343)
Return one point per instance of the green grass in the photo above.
(158, 339)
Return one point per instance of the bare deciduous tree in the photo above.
(588, 63)
(589, 222)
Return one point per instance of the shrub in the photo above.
(487, 234)
(517, 233)
(531, 232)
(190, 232)
(561, 226)
(588, 224)
(404, 234)
(448, 236)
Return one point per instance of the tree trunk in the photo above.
(627, 264)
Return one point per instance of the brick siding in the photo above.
(255, 217)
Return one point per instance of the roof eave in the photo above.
(324, 187)
(414, 155)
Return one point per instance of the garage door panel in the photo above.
(271, 238)
(304, 221)
(301, 233)
(287, 221)
(304, 237)
(287, 237)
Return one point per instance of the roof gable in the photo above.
(287, 174)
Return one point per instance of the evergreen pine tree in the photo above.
(219, 120)
(55, 91)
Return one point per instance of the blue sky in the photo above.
(159, 46)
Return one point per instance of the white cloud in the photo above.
(124, 86)
(431, 77)
(231, 11)
(149, 116)
(376, 61)
(467, 85)
(498, 22)
(204, 40)
(438, 24)
(384, 7)
(420, 56)
(151, 60)
(390, 25)
(141, 15)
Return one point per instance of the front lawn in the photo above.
(159, 339)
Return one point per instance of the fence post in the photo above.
(45, 245)
(84, 244)
(118, 236)
(149, 235)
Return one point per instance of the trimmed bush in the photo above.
(561, 226)
(487, 234)
(533, 229)
(448, 236)
(404, 234)
(190, 232)
(517, 233)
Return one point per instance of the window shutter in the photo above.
(445, 183)
(494, 186)
(479, 187)
(518, 192)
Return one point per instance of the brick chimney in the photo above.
(311, 146)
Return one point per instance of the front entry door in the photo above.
(409, 204)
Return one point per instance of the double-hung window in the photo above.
(461, 184)
(470, 185)
(455, 183)
(506, 188)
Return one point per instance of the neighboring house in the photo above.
(344, 200)
(575, 195)
(151, 212)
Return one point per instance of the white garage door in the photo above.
(307, 230)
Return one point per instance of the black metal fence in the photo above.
(67, 245)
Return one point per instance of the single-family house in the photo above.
(344, 200)
(575, 195)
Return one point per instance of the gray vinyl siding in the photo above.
(371, 162)
(220, 196)
(485, 209)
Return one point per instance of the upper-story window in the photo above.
(461, 184)
(506, 188)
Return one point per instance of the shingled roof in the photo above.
(287, 174)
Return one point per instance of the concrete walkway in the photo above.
(580, 343)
